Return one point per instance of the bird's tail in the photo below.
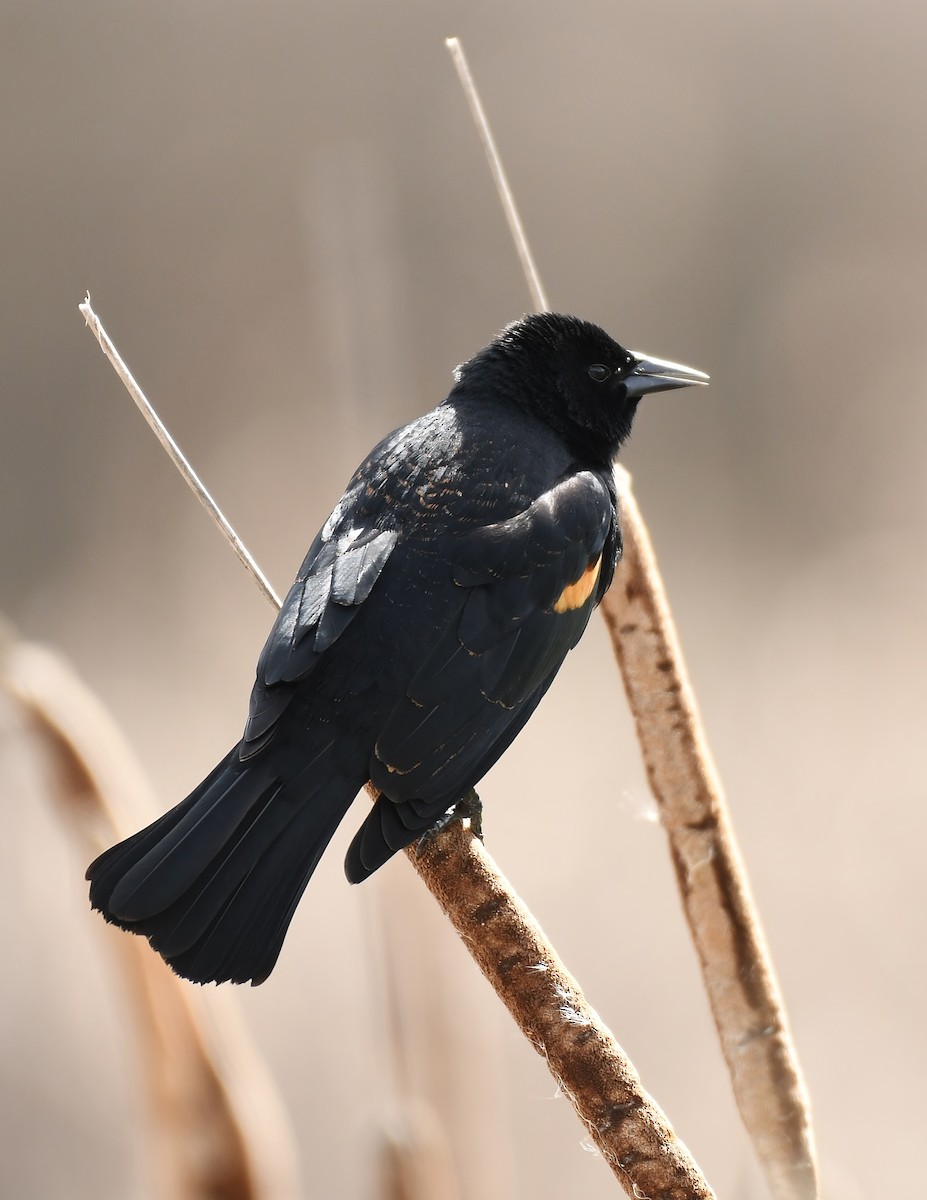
(214, 883)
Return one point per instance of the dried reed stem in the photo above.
(736, 965)
(634, 1136)
(725, 926)
(506, 197)
(174, 452)
(220, 1128)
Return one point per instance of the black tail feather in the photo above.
(388, 827)
(214, 883)
(251, 929)
(207, 897)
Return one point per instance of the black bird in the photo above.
(428, 619)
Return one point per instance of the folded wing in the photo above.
(527, 587)
(335, 579)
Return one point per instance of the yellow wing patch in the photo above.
(575, 595)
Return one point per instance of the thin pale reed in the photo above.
(174, 452)
(506, 197)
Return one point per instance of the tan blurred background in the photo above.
(285, 221)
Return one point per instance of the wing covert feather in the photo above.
(528, 586)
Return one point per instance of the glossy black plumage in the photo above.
(429, 617)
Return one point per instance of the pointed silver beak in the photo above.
(658, 375)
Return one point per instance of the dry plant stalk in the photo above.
(745, 1000)
(636, 1138)
(175, 454)
(220, 1128)
(499, 177)
(736, 965)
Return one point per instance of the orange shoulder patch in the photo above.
(575, 595)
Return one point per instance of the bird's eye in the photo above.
(599, 372)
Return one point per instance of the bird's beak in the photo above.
(657, 375)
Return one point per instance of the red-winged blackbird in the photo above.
(430, 616)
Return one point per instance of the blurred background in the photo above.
(284, 218)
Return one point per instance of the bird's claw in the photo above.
(468, 807)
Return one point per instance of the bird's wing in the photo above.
(337, 575)
(527, 586)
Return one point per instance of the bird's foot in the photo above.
(468, 807)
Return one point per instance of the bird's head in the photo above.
(574, 377)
